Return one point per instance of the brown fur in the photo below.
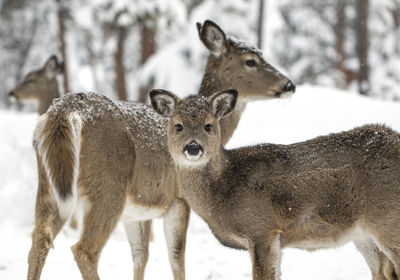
(40, 85)
(314, 194)
(103, 186)
(57, 139)
(149, 174)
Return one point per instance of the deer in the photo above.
(40, 85)
(112, 158)
(315, 194)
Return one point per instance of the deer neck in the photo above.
(199, 186)
(210, 84)
(47, 98)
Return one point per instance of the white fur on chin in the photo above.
(190, 161)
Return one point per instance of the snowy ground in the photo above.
(310, 112)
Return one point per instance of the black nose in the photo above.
(290, 87)
(11, 93)
(193, 148)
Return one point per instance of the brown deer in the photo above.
(113, 158)
(40, 85)
(315, 194)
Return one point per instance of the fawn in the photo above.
(315, 194)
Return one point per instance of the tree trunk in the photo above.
(91, 58)
(396, 21)
(119, 64)
(362, 7)
(339, 30)
(340, 38)
(25, 49)
(62, 14)
(260, 23)
(148, 44)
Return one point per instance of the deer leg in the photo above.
(265, 258)
(139, 236)
(48, 224)
(392, 268)
(388, 269)
(374, 257)
(175, 226)
(99, 222)
(42, 240)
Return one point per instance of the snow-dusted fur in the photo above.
(63, 139)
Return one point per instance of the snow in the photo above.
(311, 111)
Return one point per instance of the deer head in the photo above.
(240, 66)
(40, 85)
(193, 129)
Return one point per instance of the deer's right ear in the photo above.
(212, 37)
(163, 102)
(51, 67)
(223, 102)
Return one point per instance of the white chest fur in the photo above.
(354, 234)
(134, 212)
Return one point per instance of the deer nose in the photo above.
(11, 93)
(193, 148)
(290, 87)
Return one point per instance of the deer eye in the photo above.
(179, 127)
(251, 63)
(207, 127)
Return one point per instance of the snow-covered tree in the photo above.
(322, 42)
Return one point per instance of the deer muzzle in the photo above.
(193, 151)
(11, 96)
(290, 87)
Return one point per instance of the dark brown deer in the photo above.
(84, 145)
(315, 194)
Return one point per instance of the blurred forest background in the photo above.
(122, 48)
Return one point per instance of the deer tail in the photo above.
(57, 142)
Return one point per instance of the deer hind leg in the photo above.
(99, 222)
(265, 257)
(175, 226)
(139, 237)
(48, 224)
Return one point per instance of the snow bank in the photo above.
(310, 112)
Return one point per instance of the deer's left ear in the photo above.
(163, 102)
(223, 102)
(51, 67)
(213, 37)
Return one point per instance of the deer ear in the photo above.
(163, 102)
(199, 28)
(223, 102)
(212, 37)
(51, 67)
(61, 67)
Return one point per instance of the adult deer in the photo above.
(40, 85)
(114, 158)
(315, 194)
